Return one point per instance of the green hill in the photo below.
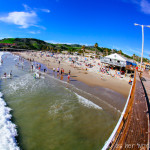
(36, 44)
(8, 41)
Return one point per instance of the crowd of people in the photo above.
(76, 62)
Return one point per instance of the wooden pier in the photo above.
(133, 130)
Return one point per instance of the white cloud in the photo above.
(145, 6)
(45, 10)
(23, 19)
(34, 32)
(26, 7)
(5, 37)
(54, 42)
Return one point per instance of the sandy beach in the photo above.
(88, 77)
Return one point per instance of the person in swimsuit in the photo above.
(10, 74)
(54, 71)
(5, 74)
(69, 72)
(68, 78)
(58, 72)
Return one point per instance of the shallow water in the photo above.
(50, 115)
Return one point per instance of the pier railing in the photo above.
(112, 142)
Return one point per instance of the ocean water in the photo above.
(48, 114)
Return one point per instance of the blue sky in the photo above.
(110, 23)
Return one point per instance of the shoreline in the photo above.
(114, 91)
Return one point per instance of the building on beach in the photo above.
(117, 60)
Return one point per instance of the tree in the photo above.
(83, 48)
(120, 52)
(96, 46)
(134, 56)
(106, 51)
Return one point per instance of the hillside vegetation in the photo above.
(36, 44)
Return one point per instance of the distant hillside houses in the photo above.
(7, 44)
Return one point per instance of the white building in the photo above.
(117, 60)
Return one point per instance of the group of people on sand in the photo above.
(60, 73)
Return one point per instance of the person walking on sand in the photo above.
(39, 67)
(63, 71)
(68, 78)
(69, 72)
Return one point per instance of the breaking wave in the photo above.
(8, 130)
(87, 102)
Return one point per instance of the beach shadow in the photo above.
(15, 76)
(73, 80)
(74, 76)
(143, 79)
(65, 74)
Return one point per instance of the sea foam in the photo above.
(87, 102)
(7, 128)
(1, 53)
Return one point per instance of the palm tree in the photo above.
(96, 46)
(120, 52)
(133, 56)
(106, 51)
(83, 48)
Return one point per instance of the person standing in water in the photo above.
(32, 67)
(5, 74)
(58, 72)
(10, 74)
(54, 71)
